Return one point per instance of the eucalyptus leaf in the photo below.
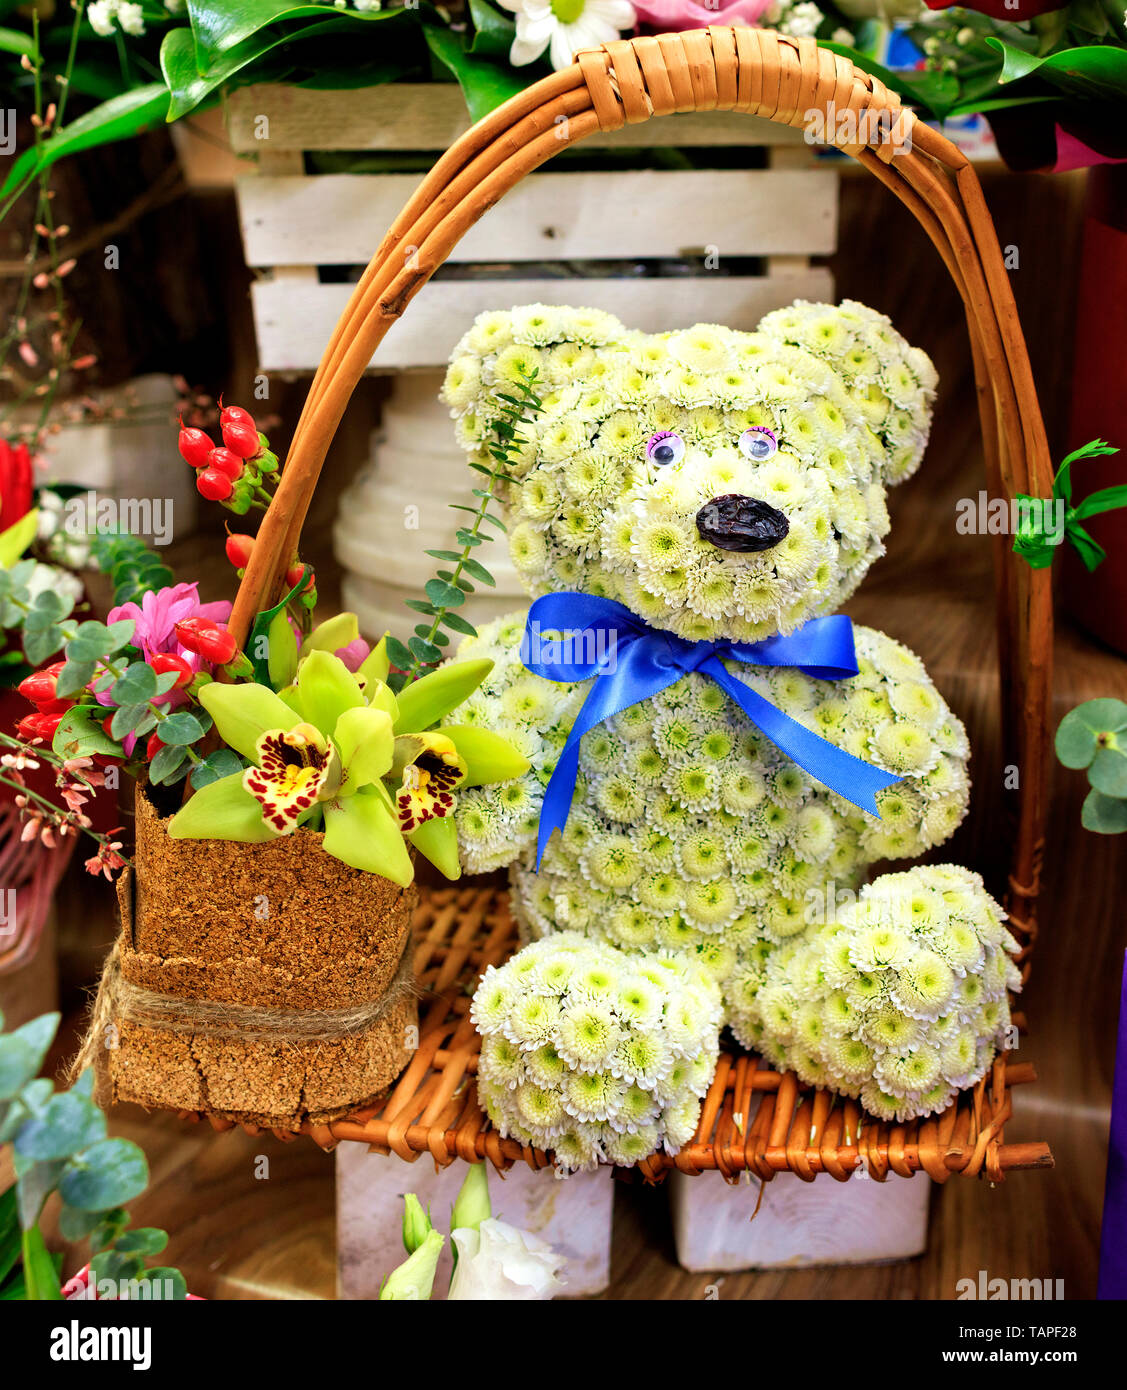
(105, 1175)
(67, 1124)
(1106, 815)
(181, 727)
(22, 1052)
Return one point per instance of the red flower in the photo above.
(1015, 13)
(15, 483)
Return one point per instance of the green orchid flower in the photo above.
(340, 749)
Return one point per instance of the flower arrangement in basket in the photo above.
(283, 789)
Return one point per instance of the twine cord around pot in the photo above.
(120, 1001)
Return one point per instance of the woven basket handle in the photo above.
(783, 79)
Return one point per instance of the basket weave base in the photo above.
(753, 1118)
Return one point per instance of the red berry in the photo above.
(39, 726)
(227, 463)
(195, 447)
(163, 662)
(241, 437)
(106, 723)
(239, 547)
(213, 485)
(235, 414)
(207, 639)
(293, 578)
(39, 687)
(153, 747)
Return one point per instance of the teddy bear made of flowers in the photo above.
(723, 487)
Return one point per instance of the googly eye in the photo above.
(665, 448)
(758, 443)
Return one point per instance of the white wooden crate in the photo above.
(296, 224)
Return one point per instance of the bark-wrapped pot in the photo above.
(265, 983)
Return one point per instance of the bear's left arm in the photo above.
(897, 720)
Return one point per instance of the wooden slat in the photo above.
(293, 318)
(431, 116)
(335, 219)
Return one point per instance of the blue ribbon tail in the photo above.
(850, 777)
(634, 676)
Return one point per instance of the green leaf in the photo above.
(75, 676)
(479, 572)
(426, 701)
(444, 595)
(107, 1174)
(1080, 731)
(1108, 772)
(1062, 481)
(1105, 815)
(457, 623)
(92, 640)
(132, 719)
(485, 85)
(1093, 72)
(117, 119)
(136, 686)
(424, 650)
(39, 1271)
(11, 41)
(262, 626)
(17, 537)
(222, 810)
(80, 735)
(145, 1240)
(167, 762)
(166, 1282)
(221, 763)
(398, 654)
(38, 645)
(180, 728)
(1106, 500)
(67, 1124)
(75, 1225)
(493, 32)
(22, 1052)
(362, 831)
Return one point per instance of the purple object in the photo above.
(1113, 1241)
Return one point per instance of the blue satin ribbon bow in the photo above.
(631, 661)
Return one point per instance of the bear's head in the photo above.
(721, 484)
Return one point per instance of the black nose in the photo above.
(734, 522)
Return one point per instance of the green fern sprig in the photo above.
(447, 591)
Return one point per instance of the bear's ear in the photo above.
(891, 383)
(505, 345)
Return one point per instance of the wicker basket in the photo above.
(753, 1117)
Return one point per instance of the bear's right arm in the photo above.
(497, 824)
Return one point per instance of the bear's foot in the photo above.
(594, 1054)
(901, 1000)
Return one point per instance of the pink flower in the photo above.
(154, 633)
(159, 612)
(355, 654)
(671, 16)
